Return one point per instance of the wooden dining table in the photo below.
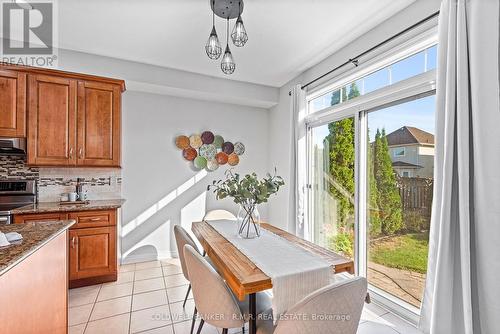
(242, 275)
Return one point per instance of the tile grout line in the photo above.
(133, 289)
(131, 303)
(168, 301)
(95, 301)
(146, 308)
(139, 293)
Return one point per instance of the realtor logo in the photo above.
(28, 33)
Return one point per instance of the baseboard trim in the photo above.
(135, 258)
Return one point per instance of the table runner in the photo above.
(294, 271)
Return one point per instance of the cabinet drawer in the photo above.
(39, 217)
(93, 218)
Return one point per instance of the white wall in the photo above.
(279, 117)
(161, 80)
(160, 188)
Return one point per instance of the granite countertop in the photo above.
(57, 207)
(35, 235)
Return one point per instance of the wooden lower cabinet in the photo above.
(34, 293)
(92, 242)
(92, 254)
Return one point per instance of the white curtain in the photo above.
(462, 293)
(298, 169)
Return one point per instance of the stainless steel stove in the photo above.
(15, 194)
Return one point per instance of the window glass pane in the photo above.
(325, 101)
(408, 67)
(399, 152)
(401, 70)
(353, 90)
(399, 196)
(376, 80)
(431, 58)
(333, 186)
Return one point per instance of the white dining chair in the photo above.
(218, 214)
(182, 238)
(334, 309)
(214, 300)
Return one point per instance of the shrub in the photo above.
(415, 222)
(343, 243)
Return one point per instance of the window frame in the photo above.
(416, 87)
(406, 49)
(399, 155)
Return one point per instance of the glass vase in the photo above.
(248, 221)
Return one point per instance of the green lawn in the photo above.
(407, 251)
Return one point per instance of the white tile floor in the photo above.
(147, 298)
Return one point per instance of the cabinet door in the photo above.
(39, 217)
(99, 124)
(92, 252)
(12, 104)
(51, 121)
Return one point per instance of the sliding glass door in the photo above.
(400, 169)
(333, 183)
(371, 165)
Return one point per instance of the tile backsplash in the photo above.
(99, 183)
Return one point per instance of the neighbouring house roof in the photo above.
(402, 164)
(409, 135)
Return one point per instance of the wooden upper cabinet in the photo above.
(12, 104)
(69, 119)
(99, 124)
(51, 120)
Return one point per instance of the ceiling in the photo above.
(285, 37)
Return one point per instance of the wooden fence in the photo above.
(416, 194)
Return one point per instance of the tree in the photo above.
(341, 143)
(354, 91)
(341, 155)
(373, 210)
(389, 200)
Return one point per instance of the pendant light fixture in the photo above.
(227, 65)
(213, 48)
(226, 9)
(239, 34)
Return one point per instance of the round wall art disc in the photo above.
(212, 165)
(228, 147)
(208, 151)
(218, 141)
(200, 162)
(189, 153)
(239, 148)
(195, 141)
(221, 158)
(182, 142)
(233, 159)
(207, 137)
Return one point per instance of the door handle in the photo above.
(80, 153)
(95, 219)
(73, 241)
(71, 153)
